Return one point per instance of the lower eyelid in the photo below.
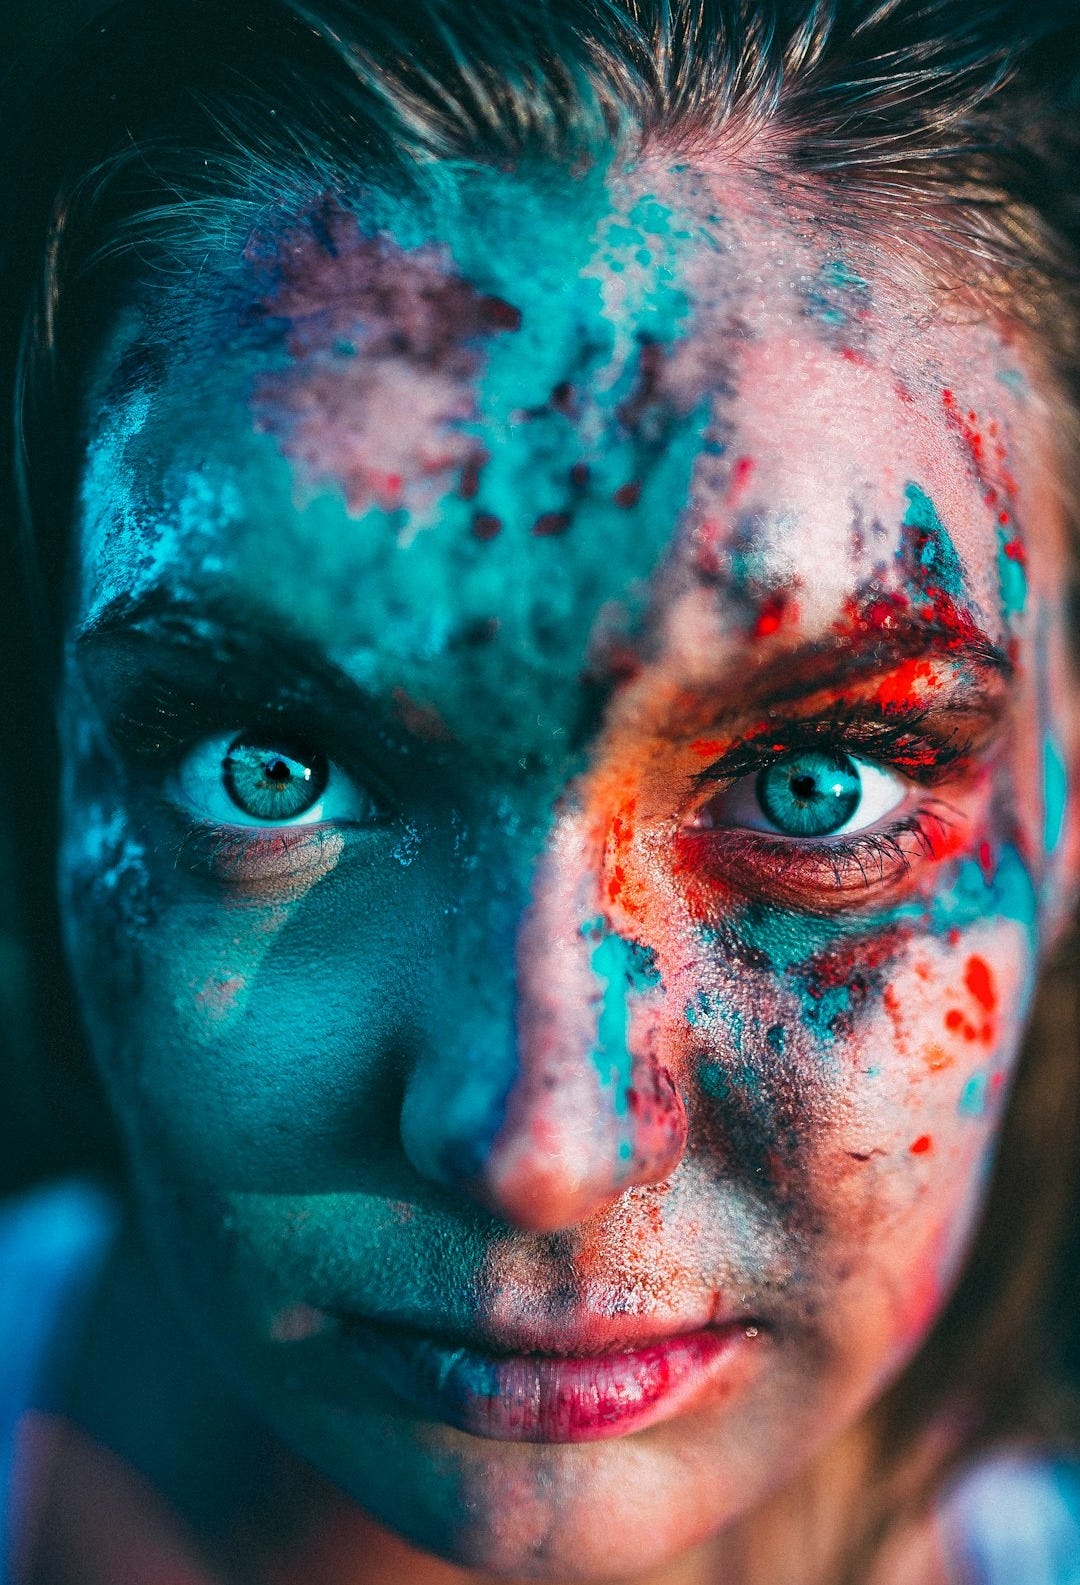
(825, 874)
(259, 855)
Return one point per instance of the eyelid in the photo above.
(914, 742)
(156, 721)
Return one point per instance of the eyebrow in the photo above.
(242, 627)
(266, 648)
(845, 657)
(272, 650)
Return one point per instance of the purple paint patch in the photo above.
(385, 343)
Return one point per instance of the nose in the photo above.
(560, 1101)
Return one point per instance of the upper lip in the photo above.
(576, 1337)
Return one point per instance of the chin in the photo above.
(560, 1512)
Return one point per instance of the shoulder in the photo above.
(52, 1244)
(1013, 1517)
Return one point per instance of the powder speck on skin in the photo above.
(972, 1102)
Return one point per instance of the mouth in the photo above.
(556, 1396)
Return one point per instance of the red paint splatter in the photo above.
(708, 557)
(579, 475)
(628, 495)
(980, 982)
(905, 686)
(895, 1011)
(742, 471)
(778, 610)
(422, 720)
(922, 1145)
(986, 452)
(551, 523)
(620, 836)
(499, 314)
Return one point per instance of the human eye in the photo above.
(832, 813)
(267, 778)
(810, 792)
(261, 805)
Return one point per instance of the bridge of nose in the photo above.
(533, 1098)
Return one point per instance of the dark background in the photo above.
(36, 23)
(50, 1119)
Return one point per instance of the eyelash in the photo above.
(822, 865)
(161, 726)
(899, 743)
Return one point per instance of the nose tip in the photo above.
(562, 1153)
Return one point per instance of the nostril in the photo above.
(660, 1123)
(448, 1126)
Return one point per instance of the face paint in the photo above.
(576, 1063)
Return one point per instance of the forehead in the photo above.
(509, 430)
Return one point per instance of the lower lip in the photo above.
(543, 1398)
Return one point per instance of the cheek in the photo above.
(251, 1034)
(847, 1071)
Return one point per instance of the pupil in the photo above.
(810, 793)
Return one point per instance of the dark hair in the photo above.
(949, 130)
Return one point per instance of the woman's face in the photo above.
(565, 729)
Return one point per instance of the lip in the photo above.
(556, 1397)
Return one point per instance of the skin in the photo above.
(551, 511)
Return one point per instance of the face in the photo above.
(565, 718)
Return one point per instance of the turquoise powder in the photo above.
(1055, 795)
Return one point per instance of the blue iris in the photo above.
(273, 780)
(810, 793)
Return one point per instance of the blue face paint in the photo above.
(1007, 893)
(1055, 794)
(623, 968)
(972, 1102)
(838, 295)
(1012, 575)
(939, 569)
